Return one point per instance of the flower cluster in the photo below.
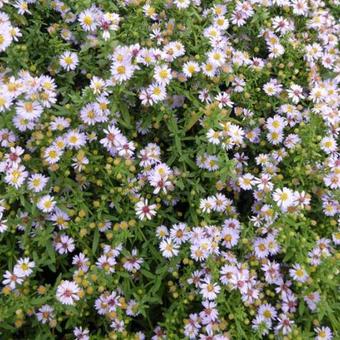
(169, 169)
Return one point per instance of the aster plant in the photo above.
(169, 169)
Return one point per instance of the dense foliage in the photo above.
(169, 169)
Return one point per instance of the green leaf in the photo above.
(192, 120)
(147, 274)
(95, 241)
(51, 253)
(125, 115)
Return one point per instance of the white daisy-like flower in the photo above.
(144, 210)
(24, 267)
(169, 248)
(45, 314)
(298, 273)
(276, 123)
(75, 139)
(52, 154)
(81, 334)
(323, 333)
(182, 4)
(267, 311)
(157, 92)
(37, 182)
(190, 68)
(6, 100)
(68, 61)
(30, 110)
(3, 225)
(122, 71)
(246, 181)
(295, 93)
(328, 144)
(16, 176)
(214, 137)
(5, 36)
(209, 290)
(46, 203)
(87, 20)
(68, 292)
(284, 197)
(12, 280)
(162, 74)
(261, 248)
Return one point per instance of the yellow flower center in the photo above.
(88, 20)
(52, 154)
(163, 74)
(267, 314)
(60, 220)
(28, 106)
(227, 238)
(68, 60)
(36, 182)
(276, 124)
(284, 196)
(24, 266)
(210, 287)
(299, 273)
(73, 139)
(262, 247)
(121, 69)
(47, 204)
(90, 114)
(156, 91)
(191, 69)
